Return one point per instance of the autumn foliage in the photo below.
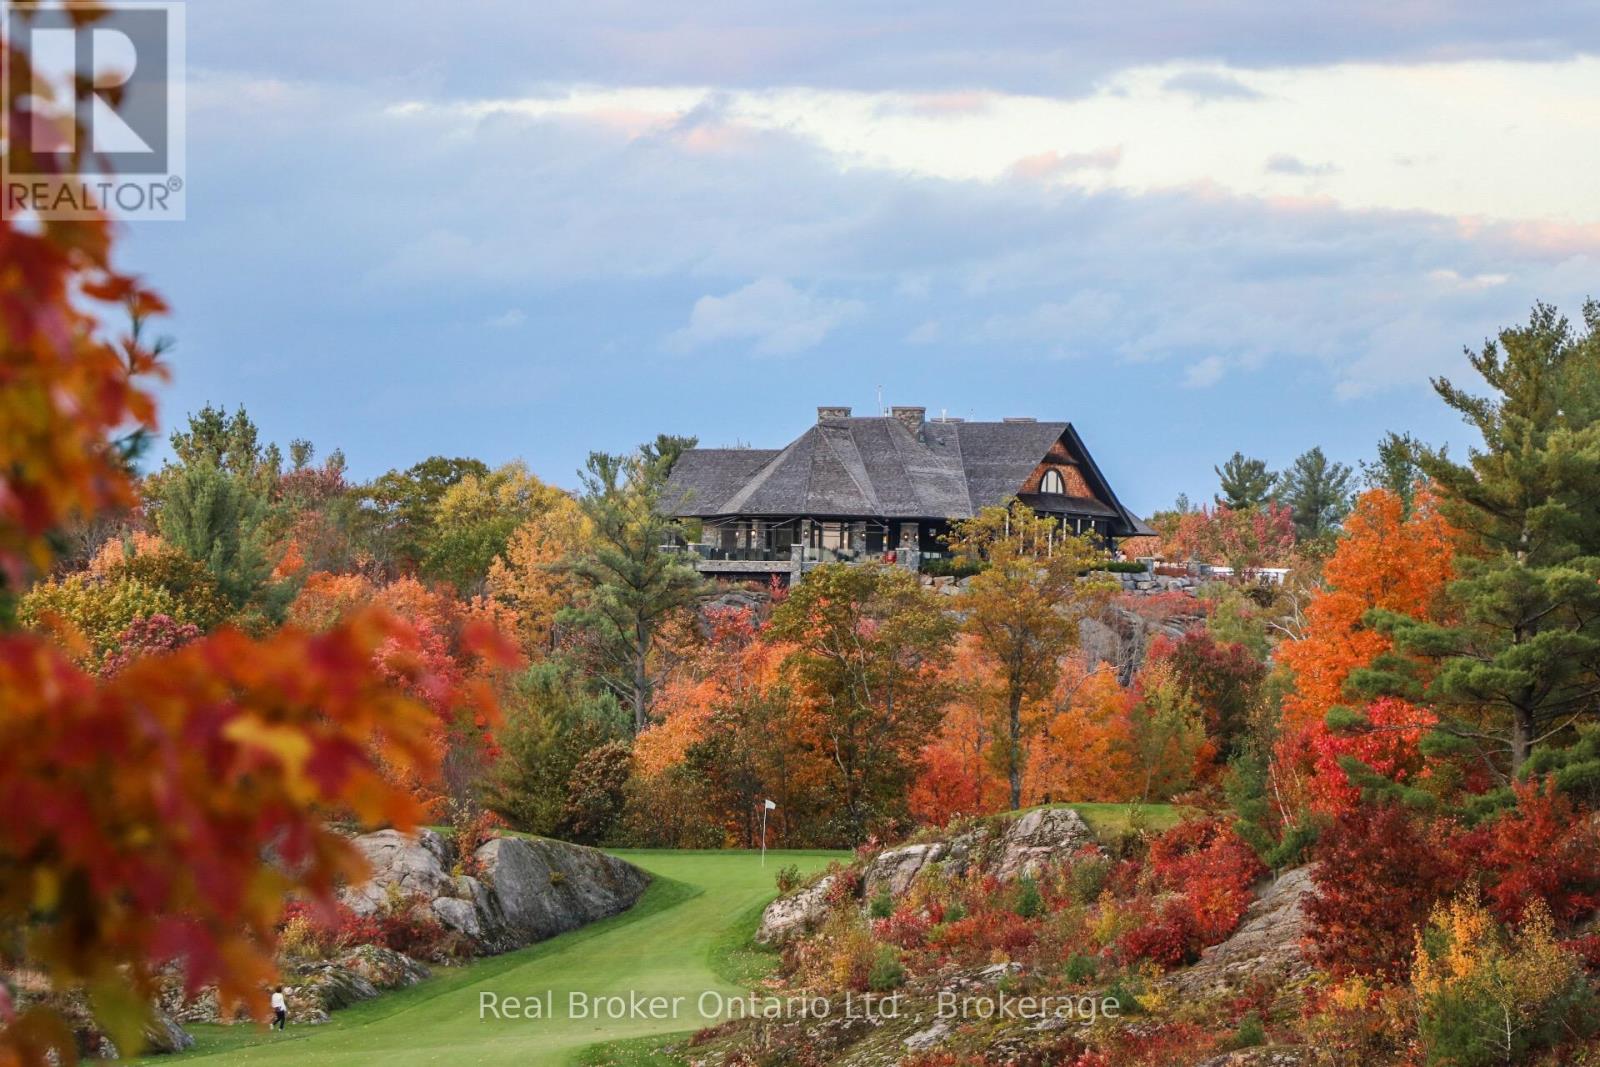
(139, 806)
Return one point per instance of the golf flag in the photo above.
(766, 806)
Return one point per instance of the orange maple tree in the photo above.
(1386, 559)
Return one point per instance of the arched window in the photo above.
(1052, 483)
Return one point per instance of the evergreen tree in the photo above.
(1318, 492)
(217, 518)
(631, 585)
(1520, 662)
(1246, 483)
(1396, 468)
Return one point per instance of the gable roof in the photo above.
(877, 467)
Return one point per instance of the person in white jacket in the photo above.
(280, 1007)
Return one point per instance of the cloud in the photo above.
(1206, 86)
(1042, 47)
(1205, 373)
(507, 320)
(1283, 163)
(773, 315)
(1052, 163)
(926, 333)
(1455, 280)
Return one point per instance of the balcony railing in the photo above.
(806, 554)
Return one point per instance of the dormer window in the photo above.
(1052, 483)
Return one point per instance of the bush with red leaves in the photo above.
(1544, 848)
(1380, 871)
(1213, 867)
(1167, 938)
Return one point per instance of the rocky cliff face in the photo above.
(1006, 848)
(530, 889)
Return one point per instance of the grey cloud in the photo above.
(1283, 163)
(1208, 85)
(1039, 46)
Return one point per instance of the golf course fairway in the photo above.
(675, 942)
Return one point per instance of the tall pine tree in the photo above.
(631, 585)
(1519, 662)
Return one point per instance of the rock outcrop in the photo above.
(530, 889)
(1007, 847)
(162, 1032)
(316, 987)
(795, 913)
(1266, 947)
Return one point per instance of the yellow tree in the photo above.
(527, 578)
(1024, 609)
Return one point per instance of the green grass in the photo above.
(1109, 820)
(685, 937)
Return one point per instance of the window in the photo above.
(1052, 483)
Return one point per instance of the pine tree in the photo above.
(1520, 660)
(1318, 492)
(1396, 468)
(1246, 483)
(631, 586)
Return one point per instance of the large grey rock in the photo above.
(411, 864)
(794, 913)
(529, 890)
(894, 869)
(1038, 837)
(1265, 947)
(543, 888)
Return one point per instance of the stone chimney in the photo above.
(911, 418)
(824, 414)
(1019, 418)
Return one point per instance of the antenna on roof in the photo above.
(880, 400)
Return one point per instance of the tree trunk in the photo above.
(641, 682)
(1521, 738)
(1015, 760)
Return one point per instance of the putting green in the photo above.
(676, 942)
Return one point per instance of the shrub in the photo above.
(1029, 904)
(1088, 878)
(1167, 939)
(1121, 566)
(1250, 1033)
(788, 878)
(596, 792)
(887, 972)
(1380, 871)
(1486, 996)
(1542, 850)
(1080, 969)
(882, 905)
(939, 567)
(1214, 869)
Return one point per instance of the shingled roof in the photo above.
(882, 468)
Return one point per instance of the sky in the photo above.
(516, 230)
